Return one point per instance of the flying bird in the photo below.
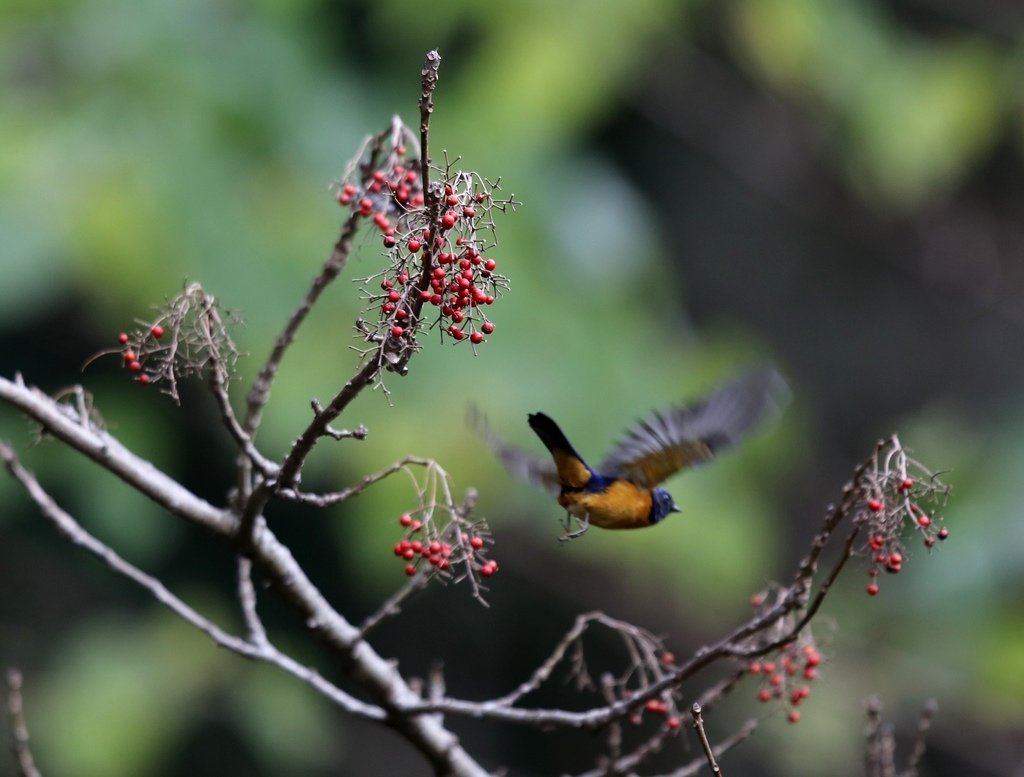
(623, 492)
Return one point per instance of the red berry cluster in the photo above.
(133, 354)
(424, 546)
(436, 247)
(781, 678)
(660, 707)
(188, 336)
(894, 504)
(664, 706)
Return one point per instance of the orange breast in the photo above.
(620, 506)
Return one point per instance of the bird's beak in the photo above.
(675, 508)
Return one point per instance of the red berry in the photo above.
(764, 695)
(906, 484)
(129, 356)
(487, 327)
(476, 543)
(414, 245)
(394, 296)
(476, 338)
(416, 546)
(874, 505)
(408, 554)
(775, 679)
(943, 533)
(923, 520)
(397, 331)
(810, 673)
(157, 331)
(468, 212)
(489, 265)
(389, 241)
(672, 723)
(876, 542)
(135, 366)
(455, 332)
(448, 220)
(410, 569)
(872, 589)
(144, 379)
(417, 525)
(122, 338)
(486, 570)
(755, 667)
(405, 520)
(399, 548)
(793, 716)
(895, 558)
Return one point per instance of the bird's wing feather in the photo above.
(538, 470)
(667, 441)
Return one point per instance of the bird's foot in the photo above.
(572, 535)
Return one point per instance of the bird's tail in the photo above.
(572, 469)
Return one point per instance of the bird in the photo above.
(624, 491)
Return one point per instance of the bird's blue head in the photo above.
(662, 504)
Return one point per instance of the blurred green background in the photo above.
(833, 187)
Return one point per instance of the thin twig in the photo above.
(393, 604)
(259, 393)
(19, 727)
(326, 500)
(724, 746)
(924, 723)
(698, 725)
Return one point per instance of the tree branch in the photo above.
(19, 727)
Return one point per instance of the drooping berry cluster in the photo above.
(436, 241)
(786, 676)
(188, 336)
(424, 547)
(131, 357)
(900, 498)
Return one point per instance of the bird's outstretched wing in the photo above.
(537, 469)
(679, 437)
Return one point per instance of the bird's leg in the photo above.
(572, 535)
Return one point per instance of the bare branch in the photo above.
(247, 599)
(67, 425)
(259, 394)
(263, 651)
(19, 727)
